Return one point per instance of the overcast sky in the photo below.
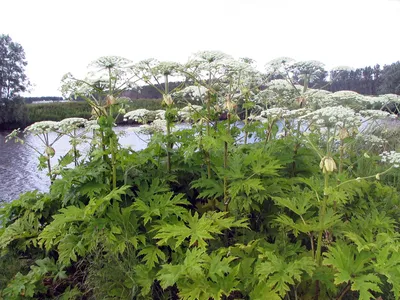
(61, 36)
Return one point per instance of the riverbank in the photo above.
(57, 111)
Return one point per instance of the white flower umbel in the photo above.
(334, 116)
(279, 65)
(372, 140)
(188, 112)
(279, 93)
(310, 68)
(160, 114)
(273, 113)
(345, 98)
(208, 57)
(42, 127)
(314, 98)
(342, 68)
(157, 126)
(167, 68)
(92, 125)
(194, 93)
(295, 113)
(110, 62)
(392, 158)
(258, 118)
(375, 114)
(70, 124)
(139, 115)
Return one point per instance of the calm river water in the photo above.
(18, 163)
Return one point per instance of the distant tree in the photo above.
(390, 79)
(12, 68)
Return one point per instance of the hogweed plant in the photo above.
(154, 73)
(47, 132)
(107, 79)
(206, 212)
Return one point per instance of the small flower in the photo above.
(391, 157)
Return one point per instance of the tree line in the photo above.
(13, 82)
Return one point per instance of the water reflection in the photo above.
(18, 163)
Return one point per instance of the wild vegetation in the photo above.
(58, 111)
(297, 201)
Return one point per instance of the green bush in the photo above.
(13, 113)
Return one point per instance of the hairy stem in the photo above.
(344, 291)
(207, 153)
(228, 128)
(321, 220)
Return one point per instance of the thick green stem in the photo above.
(322, 212)
(246, 116)
(207, 153)
(169, 146)
(49, 169)
(341, 148)
(113, 140)
(228, 129)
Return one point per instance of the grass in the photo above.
(57, 111)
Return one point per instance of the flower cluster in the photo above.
(279, 64)
(273, 113)
(194, 93)
(92, 125)
(110, 62)
(334, 116)
(371, 139)
(186, 113)
(295, 113)
(279, 93)
(209, 56)
(391, 157)
(140, 115)
(375, 114)
(344, 98)
(156, 126)
(314, 98)
(70, 124)
(311, 68)
(342, 68)
(42, 127)
(166, 68)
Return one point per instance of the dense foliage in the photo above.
(13, 113)
(57, 111)
(297, 201)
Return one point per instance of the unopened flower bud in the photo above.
(167, 99)
(327, 164)
(229, 105)
(343, 133)
(110, 100)
(50, 151)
